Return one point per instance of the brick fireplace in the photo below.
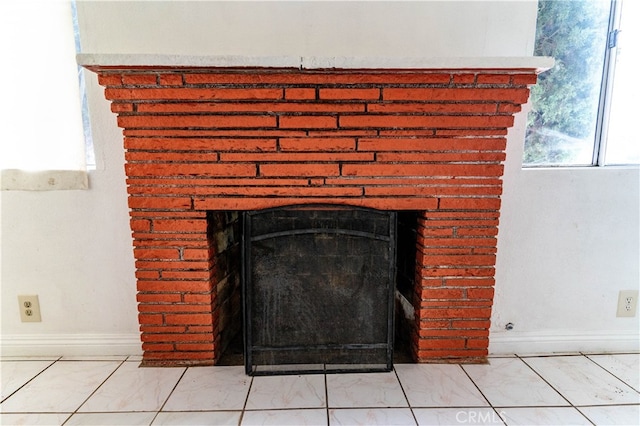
(207, 142)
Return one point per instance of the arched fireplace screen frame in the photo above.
(318, 289)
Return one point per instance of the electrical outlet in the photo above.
(29, 308)
(627, 303)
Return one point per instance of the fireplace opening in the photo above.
(318, 288)
(405, 285)
(326, 288)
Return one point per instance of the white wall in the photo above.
(308, 28)
(568, 238)
(73, 249)
(568, 243)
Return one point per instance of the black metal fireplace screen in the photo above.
(318, 289)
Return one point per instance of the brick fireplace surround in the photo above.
(206, 141)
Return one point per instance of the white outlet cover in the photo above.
(626, 309)
(29, 308)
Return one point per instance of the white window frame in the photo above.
(606, 85)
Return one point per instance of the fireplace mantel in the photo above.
(128, 61)
(209, 136)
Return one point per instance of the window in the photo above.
(581, 109)
(43, 143)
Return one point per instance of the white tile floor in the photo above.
(601, 389)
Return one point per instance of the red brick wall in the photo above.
(200, 140)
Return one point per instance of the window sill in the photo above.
(583, 167)
(46, 180)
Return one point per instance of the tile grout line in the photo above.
(31, 379)
(246, 399)
(168, 396)
(553, 387)
(405, 396)
(482, 393)
(545, 380)
(326, 398)
(95, 390)
(579, 408)
(607, 370)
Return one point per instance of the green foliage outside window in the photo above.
(562, 123)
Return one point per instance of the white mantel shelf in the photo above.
(124, 61)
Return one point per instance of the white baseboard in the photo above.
(70, 344)
(510, 342)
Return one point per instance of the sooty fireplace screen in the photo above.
(318, 285)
